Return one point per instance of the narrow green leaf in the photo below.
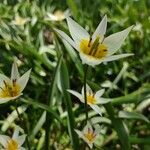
(72, 5)
(119, 126)
(49, 103)
(38, 125)
(132, 115)
(71, 121)
(137, 140)
(96, 120)
(29, 101)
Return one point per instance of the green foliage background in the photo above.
(38, 47)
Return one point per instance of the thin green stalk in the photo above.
(85, 93)
(24, 124)
(137, 140)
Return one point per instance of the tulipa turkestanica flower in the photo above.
(93, 99)
(97, 48)
(88, 134)
(11, 88)
(14, 143)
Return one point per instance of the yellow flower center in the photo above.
(12, 145)
(9, 89)
(91, 99)
(93, 49)
(90, 136)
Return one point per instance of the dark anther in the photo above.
(1, 88)
(5, 83)
(89, 41)
(14, 81)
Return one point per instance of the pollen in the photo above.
(93, 49)
(12, 145)
(9, 89)
(90, 135)
(91, 99)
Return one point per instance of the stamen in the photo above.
(5, 83)
(102, 40)
(89, 44)
(89, 130)
(14, 82)
(94, 46)
(1, 88)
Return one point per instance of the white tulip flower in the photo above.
(88, 134)
(97, 48)
(93, 99)
(14, 143)
(11, 88)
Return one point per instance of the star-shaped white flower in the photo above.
(97, 48)
(88, 134)
(93, 99)
(14, 143)
(11, 88)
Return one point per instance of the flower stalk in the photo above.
(85, 93)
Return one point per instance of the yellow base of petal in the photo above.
(98, 52)
(12, 145)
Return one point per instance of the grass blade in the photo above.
(67, 99)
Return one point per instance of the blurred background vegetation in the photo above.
(26, 32)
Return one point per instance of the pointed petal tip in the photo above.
(130, 28)
(105, 17)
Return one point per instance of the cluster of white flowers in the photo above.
(93, 50)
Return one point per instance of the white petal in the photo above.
(88, 90)
(4, 78)
(102, 100)
(4, 140)
(96, 108)
(100, 93)
(5, 100)
(14, 71)
(22, 81)
(91, 61)
(16, 133)
(80, 134)
(115, 57)
(114, 41)
(101, 29)
(97, 130)
(66, 37)
(21, 139)
(78, 95)
(87, 127)
(90, 145)
(77, 32)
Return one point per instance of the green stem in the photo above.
(137, 140)
(85, 95)
(119, 127)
